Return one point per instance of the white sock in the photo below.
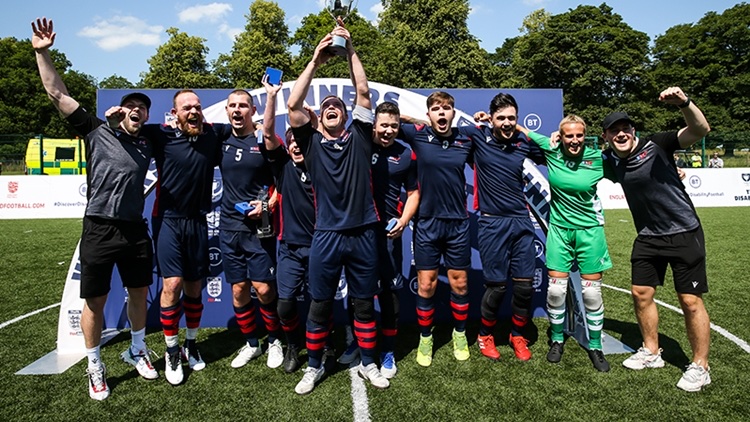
(138, 340)
(172, 341)
(95, 359)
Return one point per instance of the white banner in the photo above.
(727, 187)
(42, 196)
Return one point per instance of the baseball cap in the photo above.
(138, 96)
(616, 117)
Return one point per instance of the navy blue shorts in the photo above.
(506, 248)
(292, 272)
(391, 255)
(247, 258)
(181, 247)
(440, 237)
(355, 251)
(106, 243)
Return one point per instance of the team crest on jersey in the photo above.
(642, 156)
(375, 158)
(446, 144)
(588, 163)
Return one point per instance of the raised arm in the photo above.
(269, 115)
(697, 126)
(297, 115)
(356, 70)
(42, 40)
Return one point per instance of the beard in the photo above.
(189, 130)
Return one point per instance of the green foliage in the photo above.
(24, 106)
(265, 42)
(710, 60)
(115, 82)
(428, 45)
(599, 61)
(180, 63)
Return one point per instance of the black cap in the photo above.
(616, 117)
(138, 96)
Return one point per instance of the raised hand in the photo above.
(44, 34)
(673, 95)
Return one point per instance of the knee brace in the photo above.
(321, 311)
(556, 291)
(364, 309)
(492, 299)
(522, 292)
(592, 294)
(287, 309)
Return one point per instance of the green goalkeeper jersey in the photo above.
(574, 203)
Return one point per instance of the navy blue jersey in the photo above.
(244, 172)
(498, 164)
(294, 185)
(392, 168)
(442, 182)
(340, 170)
(186, 168)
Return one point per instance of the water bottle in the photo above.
(265, 227)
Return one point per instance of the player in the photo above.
(576, 233)
(338, 159)
(114, 231)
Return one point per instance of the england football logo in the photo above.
(74, 320)
(213, 286)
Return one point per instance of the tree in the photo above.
(180, 63)
(599, 61)
(365, 37)
(265, 42)
(24, 106)
(428, 44)
(710, 60)
(115, 82)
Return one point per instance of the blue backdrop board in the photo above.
(539, 110)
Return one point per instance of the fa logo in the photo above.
(375, 158)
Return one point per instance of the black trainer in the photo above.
(555, 352)
(329, 359)
(291, 359)
(597, 358)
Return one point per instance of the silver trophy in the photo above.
(342, 9)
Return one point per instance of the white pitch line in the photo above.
(360, 405)
(14, 320)
(729, 336)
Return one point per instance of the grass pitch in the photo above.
(36, 255)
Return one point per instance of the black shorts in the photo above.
(684, 252)
(106, 243)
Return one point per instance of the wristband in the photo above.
(685, 104)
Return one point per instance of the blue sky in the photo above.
(104, 38)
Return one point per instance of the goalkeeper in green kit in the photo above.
(576, 232)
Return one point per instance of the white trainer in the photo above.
(372, 373)
(98, 388)
(245, 355)
(142, 363)
(275, 354)
(311, 377)
(695, 378)
(643, 358)
(193, 357)
(173, 367)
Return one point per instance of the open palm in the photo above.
(44, 35)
